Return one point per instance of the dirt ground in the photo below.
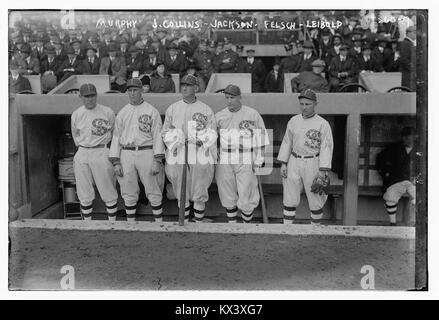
(127, 260)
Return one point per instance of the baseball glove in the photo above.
(320, 184)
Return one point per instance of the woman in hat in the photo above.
(161, 81)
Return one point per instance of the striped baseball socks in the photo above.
(131, 212)
(246, 216)
(289, 214)
(199, 208)
(111, 210)
(157, 212)
(232, 214)
(86, 211)
(316, 216)
(391, 208)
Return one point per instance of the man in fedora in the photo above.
(27, 64)
(115, 67)
(91, 64)
(307, 57)
(256, 68)
(70, 66)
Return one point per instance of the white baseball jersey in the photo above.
(135, 126)
(91, 127)
(307, 137)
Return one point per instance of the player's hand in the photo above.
(156, 166)
(284, 171)
(118, 170)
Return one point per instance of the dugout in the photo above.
(362, 124)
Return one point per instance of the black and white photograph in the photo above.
(217, 149)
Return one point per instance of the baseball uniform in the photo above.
(240, 132)
(194, 121)
(306, 147)
(91, 132)
(137, 142)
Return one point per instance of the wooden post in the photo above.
(350, 180)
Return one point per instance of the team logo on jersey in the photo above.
(246, 128)
(145, 123)
(313, 139)
(100, 127)
(201, 121)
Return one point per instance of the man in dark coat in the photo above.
(17, 82)
(256, 68)
(91, 64)
(70, 66)
(203, 58)
(227, 59)
(134, 62)
(290, 64)
(366, 61)
(150, 62)
(334, 50)
(307, 57)
(408, 59)
(397, 166)
(311, 79)
(175, 61)
(342, 70)
(274, 81)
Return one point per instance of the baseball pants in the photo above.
(237, 189)
(394, 193)
(301, 173)
(92, 167)
(135, 165)
(198, 179)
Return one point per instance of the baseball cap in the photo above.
(189, 80)
(87, 89)
(233, 90)
(134, 83)
(308, 94)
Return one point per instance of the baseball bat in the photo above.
(182, 208)
(261, 193)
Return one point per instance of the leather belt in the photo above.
(304, 157)
(234, 150)
(137, 148)
(95, 147)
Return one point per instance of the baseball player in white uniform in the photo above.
(137, 151)
(305, 152)
(242, 140)
(92, 126)
(190, 121)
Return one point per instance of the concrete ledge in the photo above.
(294, 230)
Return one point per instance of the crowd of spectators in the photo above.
(325, 59)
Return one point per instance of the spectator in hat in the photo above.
(91, 64)
(366, 61)
(162, 35)
(227, 59)
(17, 82)
(325, 44)
(146, 83)
(290, 64)
(311, 79)
(392, 61)
(342, 70)
(115, 67)
(203, 58)
(381, 51)
(355, 51)
(150, 63)
(134, 36)
(307, 57)
(159, 48)
(161, 81)
(76, 46)
(335, 48)
(241, 63)
(174, 60)
(38, 52)
(408, 59)
(27, 64)
(274, 81)
(212, 46)
(193, 69)
(144, 38)
(134, 62)
(123, 48)
(70, 66)
(51, 63)
(100, 50)
(256, 68)
(59, 51)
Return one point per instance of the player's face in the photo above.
(232, 101)
(187, 91)
(307, 106)
(135, 95)
(89, 101)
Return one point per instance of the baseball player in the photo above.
(92, 127)
(305, 152)
(190, 121)
(242, 138)
(397, 166)
(137, 151)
